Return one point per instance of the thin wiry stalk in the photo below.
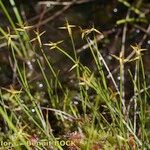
(100, 57)
(143, 105)
(66, 115)
(51, 68)
(122, 69)
(133, 97)
(135, 91)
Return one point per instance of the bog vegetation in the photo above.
(57, 95)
